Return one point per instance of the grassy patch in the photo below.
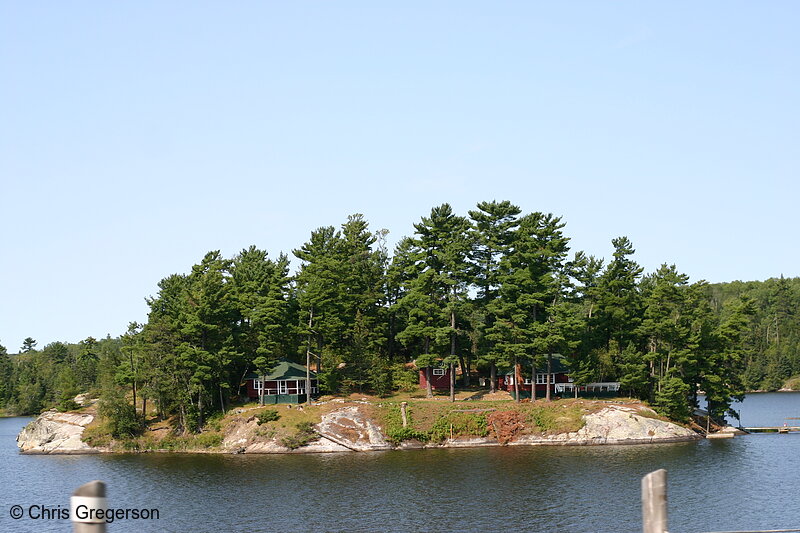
(458, 424)
(97, 435)
(290, 425)
(557, 418)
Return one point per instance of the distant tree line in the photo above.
(488, 290)
(771, 343)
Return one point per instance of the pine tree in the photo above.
(493, 233)
(527, 324)
(260, 291)
(619, 310)
(435, 298)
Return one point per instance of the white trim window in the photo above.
(258, 385)
(438, 371)
(541, 379)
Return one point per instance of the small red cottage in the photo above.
(440, 378)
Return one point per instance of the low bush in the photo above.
(396, 435)
(270, 415)
(208, 440)
(305, 434)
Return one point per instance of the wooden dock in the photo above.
(773, 429)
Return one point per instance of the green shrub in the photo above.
(121, 417)
(208, 440)
(68, 405)
(329, 380)
(380, 379)
(214, 421)
(265, 433)
(305, 434)
(270, 415)
(405, 379)
(393, 426)
(396, 435)
(172, 443)
(130, 445)
(671, 399)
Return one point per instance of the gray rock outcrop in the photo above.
(617, 424)
(343, 430)
(350, 428)
(54, 432)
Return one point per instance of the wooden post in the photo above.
(549, 375)
(86, 499)
(654, 502)
(403, 415)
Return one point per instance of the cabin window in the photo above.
(258, 385)
(541, 379)
(283, 387)
(438, 371)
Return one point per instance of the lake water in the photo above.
(749, 482)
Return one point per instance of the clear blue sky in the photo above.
(135, 137)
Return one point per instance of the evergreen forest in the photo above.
(480, 291)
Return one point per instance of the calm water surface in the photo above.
(746, 482)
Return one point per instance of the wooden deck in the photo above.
(773, 429)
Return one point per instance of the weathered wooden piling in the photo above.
(654, 502)
(84, 504)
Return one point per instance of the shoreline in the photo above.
(445, 446)
(353, 427)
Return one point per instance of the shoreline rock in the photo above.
(349, 429)
(56, 433)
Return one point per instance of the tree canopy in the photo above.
(495, 288)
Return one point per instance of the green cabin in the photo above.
(285, 384)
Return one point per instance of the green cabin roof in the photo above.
(284, 370)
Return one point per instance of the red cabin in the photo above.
(558, 374)
(440, 378)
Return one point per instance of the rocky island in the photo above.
(347, 425)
